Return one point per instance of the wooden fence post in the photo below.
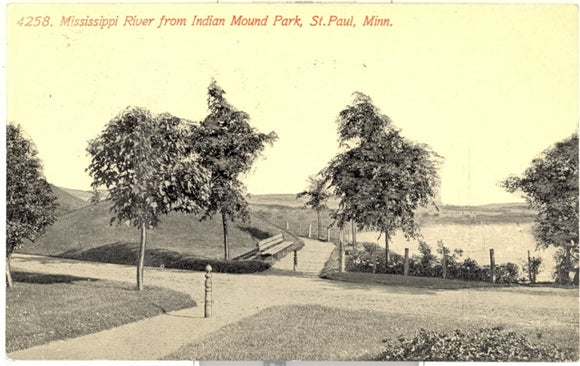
(309, 231)
(492, 264)
(406, 267)
(208, 299)
(530, 272)
(341, 250)
(295, 259)
(444, 263)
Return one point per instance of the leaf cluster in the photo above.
(227, 146)
(382, 177)
(484, 344)
(143, 161)
(30, 202)
(550, 186)
(317, 193)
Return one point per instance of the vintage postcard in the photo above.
(275, 183)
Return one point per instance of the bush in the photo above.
(371, 259)
(220, 266)
(480, 345)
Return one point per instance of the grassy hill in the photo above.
(85, 234)
(66, 201)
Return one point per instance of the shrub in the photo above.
(371, 259)
(507, 273)
(479, 345)
(220, 266)
(533, 266)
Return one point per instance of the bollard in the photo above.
(328, 233)
(295, 260)
(287, 226)
(406, 267)
(309, 231)
(492, 264)
(208, 299)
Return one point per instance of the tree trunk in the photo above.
(386, 252)
(319, 227)
(8, 273)
(226, 244)
(353, 235)
(141, 261)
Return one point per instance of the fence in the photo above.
(487, 256)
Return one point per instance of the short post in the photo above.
(328, 233)
(295, 259)
(309, 231)
(208, 300)
(287, 226)
(492, 264)
(406, 266)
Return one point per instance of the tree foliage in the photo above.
(143, 161)
(318, 195)
(550, 186)
(30, 202)
(228, 146)
(381, 178)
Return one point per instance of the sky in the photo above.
(488, 87)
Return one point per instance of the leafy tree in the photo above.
(30, 202)
(318, 195)
(381, 178)
(228, 147)
(550, 186)
(143, 161)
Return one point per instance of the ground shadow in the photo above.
(45, 279)
(127, 254)
(255, 232)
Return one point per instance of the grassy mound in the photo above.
(42, 308)
(179, 241)
(66, 201)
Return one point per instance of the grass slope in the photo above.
(86, 234)
(316, 333)
(66, 201)
(42, 308)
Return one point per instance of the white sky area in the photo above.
(486, 86)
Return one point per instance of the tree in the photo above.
(317, 194)
(143, 161)
(550, 186)
(30, 202)
(228, 147)
(381, 177)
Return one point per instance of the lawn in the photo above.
(314, 332)
(41, 308)
(85, 234)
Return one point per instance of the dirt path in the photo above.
(237, 296)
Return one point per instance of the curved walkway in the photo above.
(236, 296)
(156, 337)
